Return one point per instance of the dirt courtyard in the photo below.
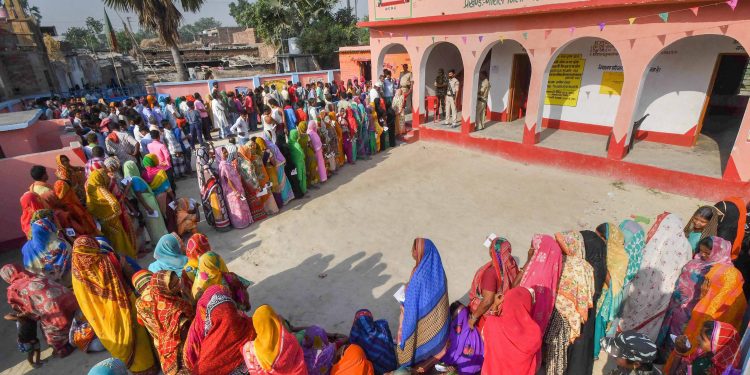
(346, 246)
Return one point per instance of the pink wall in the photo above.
(183, 88)
(229, 85)
(42, 135)
(312, 78)
(16, 181)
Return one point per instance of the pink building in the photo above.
(648, 91)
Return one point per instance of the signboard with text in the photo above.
(564, 80)
(399, 9)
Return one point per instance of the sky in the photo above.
(69, 13)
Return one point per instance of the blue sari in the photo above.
(169, 255)
(374, 336)
(45, 254)
(425, 314)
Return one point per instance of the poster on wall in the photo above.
(280, 83)
(564, 81)
(392, 9)
(611, 83)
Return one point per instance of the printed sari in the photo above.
(617, 267)
(74, 175)
(239, 211)
(107, 209)
(45, 254)
(212, 196)
(543, 275)
(505, 269)
(274, 350)
(154, 225)
(76, 210)
(213, 271)
(30, 203)
(197, 245)
(242, 161)
(374, 337)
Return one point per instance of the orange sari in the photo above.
(69, 199)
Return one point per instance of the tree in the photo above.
(94, 27)
(188, 32)
(326, 34)
(32, 11)
(124, 40)
(163, 17)
(77, 37)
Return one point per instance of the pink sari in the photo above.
(312, 131)
(239, 211)
(543, 274)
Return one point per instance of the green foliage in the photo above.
(78, 37)
(188, 32)
(124, 41)
(32, 11)
(326, 34)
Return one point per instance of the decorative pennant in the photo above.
(474, 53)
(406, 37)
(433, 40)
(380, 33)
(464, 39)
(546, 33)
(552, 50)
(664, 16)
(502, 39)
(525, 36)
(572, 29)
(417, 48)
(631, 20)
(531, 52)
(724, 29)
(390, 34)
(601, 26)
(632, 43)
(732, 3)
(662, 39)
(695, 10)
(689, 33)
(378, 41)
(481, 38)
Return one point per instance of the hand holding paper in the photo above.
(400, 294)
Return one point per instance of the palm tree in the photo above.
(163, 17)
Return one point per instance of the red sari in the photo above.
(505, 269)
(30, 203)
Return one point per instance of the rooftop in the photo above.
(18, 120)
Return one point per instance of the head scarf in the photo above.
(169, 254)
(274, 349)
(374, 336)
(109, 366)
(318, 351)
(268, 329)
(710, 229)
(45, 254)
(725, 342)
(425, 315)
(197, 245)
(155, 177)
(575, 292)
(30, 203)
(513, 339)
(731, 223)
(634, 242)
(353, 362)
(211, 268)
(274, 148)
(543, 275)
(112, 162)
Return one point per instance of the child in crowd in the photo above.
(717, 344)
(634, 353)
(27, 341)
(241, 129)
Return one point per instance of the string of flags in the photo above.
(664, 16)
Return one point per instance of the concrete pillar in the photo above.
(738, 165)
(541, 60)
(469, 90)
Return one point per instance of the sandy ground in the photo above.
(347, 245)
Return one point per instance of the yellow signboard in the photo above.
(564, 81)
(611, 83)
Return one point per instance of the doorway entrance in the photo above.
(727, 98)
(519, 86)
(365, 70)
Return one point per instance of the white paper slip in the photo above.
(294, 172)
(400, 294)
(126, 180)
(173, 205)
(262, 192)
(70, 232)
(385, 129)
(488, 241)
(192, 203)
(155, 215)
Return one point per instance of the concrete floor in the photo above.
(506, 131)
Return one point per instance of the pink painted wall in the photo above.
(16, 181)
(312, 78)
(183, 88)
(42, 135)
(230, 85)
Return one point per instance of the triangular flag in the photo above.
(378, 41)
(406, 36)
(552, 50)
(390, 34)
(481, 37)
(689, 33)
(380, 33)
(531, 52)
(417, 48)
(664, 16)
(433, 40)
(632, 43)
(662, 38)
(464, 39)
(546, 33)
(502, 39)
(724, 29)
(525, 35)
(732, 3)
(631, 20)
(695, 10)
(572, 29)
(474, 53)
(601, 26)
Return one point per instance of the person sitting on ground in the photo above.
(274, 350)
(634, 353)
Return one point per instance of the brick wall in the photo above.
(349, 63)
(246, 36)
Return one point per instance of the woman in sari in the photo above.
(491, 281)
(197, 245)
(374, 337)
(280, 161)
(715, 352)
(317, 146)
(617, 269)
(252, 153)
(338, 130)
(213, 271)
(44, 300)
(215, 339)
(30, 203)
(212, 196)
(353, 362)
(242, 161)
(398, 106)
(666, 251)
(311, 161)
(148, 206)
(167, 316)
(465, 351)
(297, 154)
(67, 196)
(513, 339)
(108, 305)
(269, 163)
(581, 351)
(239, 211)
(425, 314)
(75, 176)
(274, 350)
(116, 226)
(158, 181)
(169, 255)
(731, 225)
(722, 297)
(319, 353)
(542, 273)
(45, 254)
(346, 135)
(704, 223)
(687, 292)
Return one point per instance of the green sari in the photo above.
(298, 158)
(154, 225)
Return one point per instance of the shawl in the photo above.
(155, 177)
(30, 203)
(575, 292)
(505, 268)
(99, 199)
(542, 274)
(109, 366)
(74, 175)
(168, 254)
(425, 316)
(273, 350)
(166, 315)
(725, 343)
(353, 362)
(45, 254)
(318, 352)
(513, 339)
(634, 241)
(732, 222)
(374, 337)
(210, 270)
(465, 349)
(107, 304)
(649, 292)
(312, 131)
(216, 335)
(608, 307)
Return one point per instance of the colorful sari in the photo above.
(45, 254)
(30, 203)
(239, 211)
(252, 153)
(353, 362)
(732, 222)
(465, 350)
(284, 186)
(242, 161)
(269, 163)
(274, 350)
(513, 339)
(543, 274)
(576, 289)
(649, 292)
(167, 316)
(74, 175)
(311, 159)
(318, 352)
(197, 245)
(298, 159)
(45, 300)
(108, 305)
(214, 342)
(212, 196)
(617, 267)
(157, 180)
(504, 267)
(154, 225)
(168, 254)
(425, 315)
(104, 206)
(213, 271)
(66, 196)
(374, 337)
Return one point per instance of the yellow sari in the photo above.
(211, 268)
(105, 207)
(108, 306)
(378, 128)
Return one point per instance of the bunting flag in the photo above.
(601, 26)
(664, 16)
(474, 53)
(525, 36)
(406, 37)
(481, 37)
(546, 33)
(632, 43)
(631, 20)
(433, 40)
(502, 39)
(695, 10)
(464, 39)
(110, 33)
(732, 3)
(572, 29)
(724, 29)
(662, 38)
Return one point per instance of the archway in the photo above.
(507, 68)
(690, 105)
(446, 56)
(392, 59)
(582, 85)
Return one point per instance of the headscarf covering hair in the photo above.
(617, 267)
(576, 289)
(210, 271)
(46, 254)
(731, 223)
(30, 203)
(725, 342)
(318, 352)
(156, 177)
(374, 336)
(353, 362)
(543, 275)
(109, 366)
(274, 349)
(168, 254)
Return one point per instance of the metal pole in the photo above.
(356, 9)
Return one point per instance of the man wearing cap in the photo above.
(634, 353)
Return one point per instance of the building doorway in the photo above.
(727, 98)
(365, 70)
(519, 87)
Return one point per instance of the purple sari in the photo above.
(317, 144)
(465, 349)
(318, 351)
(239, 211)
